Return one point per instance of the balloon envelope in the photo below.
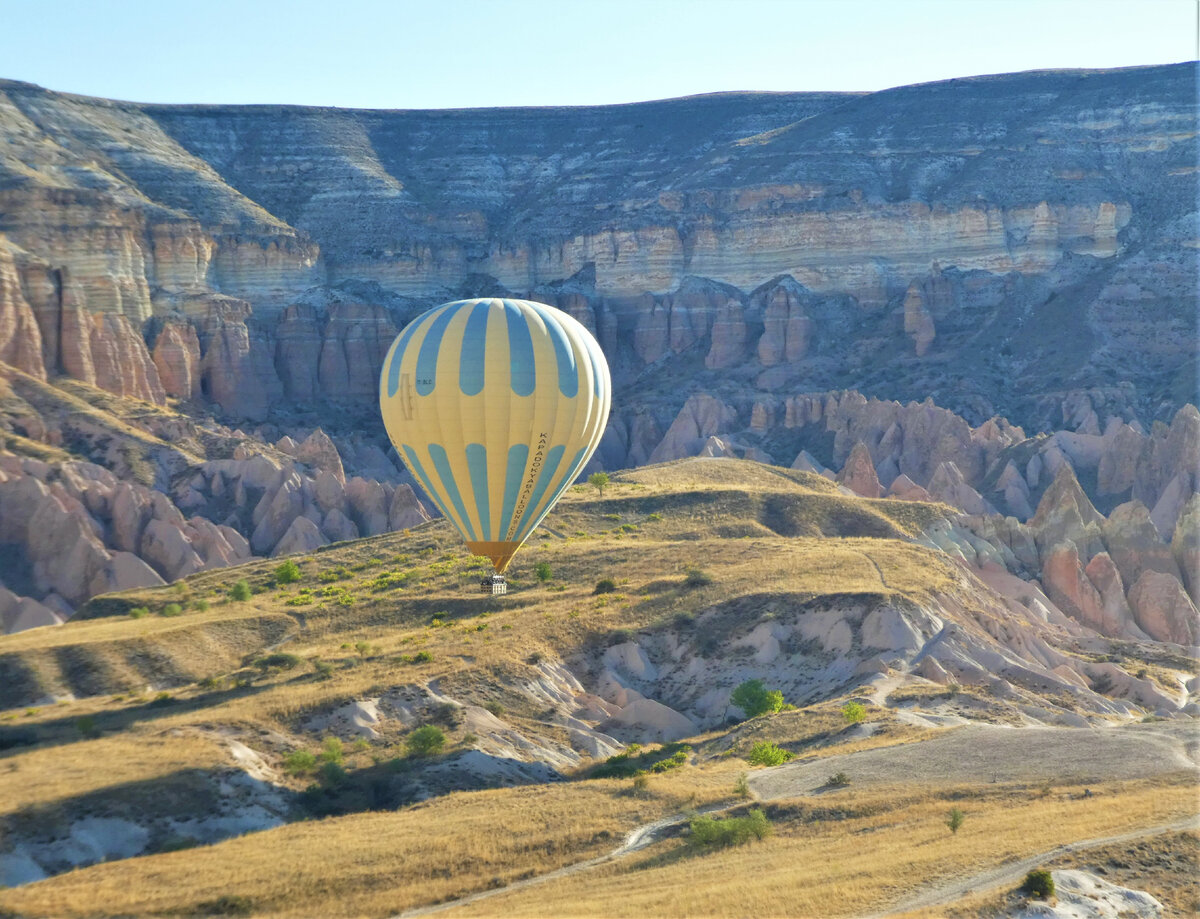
(495, 406)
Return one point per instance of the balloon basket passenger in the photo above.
(494, 584)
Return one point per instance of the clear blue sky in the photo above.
(454, 53)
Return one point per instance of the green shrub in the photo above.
(765, 753)
(696, 577)
(543, 572)
(172, 609)
(425, 740)
(605, 586)
(287, 573)
(654, 516)
(741, 787)
(331, 774)
(715, 833)
(598, 480)
(954, 819)
(163, 698)
(755, 699)
(86, 725)
(279, 659)
(139, 612)
(853, 712)
(1039, 883)
(422, 657)
(201, 605)
(331, 750)
(299, 762)
(240, 591)
(838, 780)
(495, 708)
(633, 760)
(324, 669)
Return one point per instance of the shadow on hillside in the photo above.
(15, 736)
(179, 810)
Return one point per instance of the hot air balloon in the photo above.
(495, 406)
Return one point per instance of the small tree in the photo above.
(755, 699)
(287, 573)
(426, 740)
(853, 712)
(1039, 883)
(240, 591)
(598, 480)
(955, 819)
(542, 571)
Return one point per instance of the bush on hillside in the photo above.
(715, 833)
(1039, 883)
(287, 573)
(605, 586)
(240, 591)
(854, 712)
(765, 753)
(755, 699)
(425, 740)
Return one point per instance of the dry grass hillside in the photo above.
(262, 741)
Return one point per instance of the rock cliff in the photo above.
(1003, 260)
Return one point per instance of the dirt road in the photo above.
(989, 753)
(1012, 872)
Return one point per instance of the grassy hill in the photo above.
(259, 756)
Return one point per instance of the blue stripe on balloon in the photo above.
(427, 357)
(477, 464)
(568, 373)
(470, 368)
(441, 462)
(417, 469)
(520, 350)
(514, 475)
(553, 458)
(596, 356)
(398, 353)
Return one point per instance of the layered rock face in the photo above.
(794, 242)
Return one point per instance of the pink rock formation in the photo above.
(859, 473)
(787, 328)
(356, 339)
(301, 536)
(20, 336)
(177, 357)
(1163, 610)
(700, 418)
(319, 452)
(728, 336)
(120, 360)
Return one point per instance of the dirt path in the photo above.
(639, 838)
(980, 752)
(965, 754)
(1011, 872)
